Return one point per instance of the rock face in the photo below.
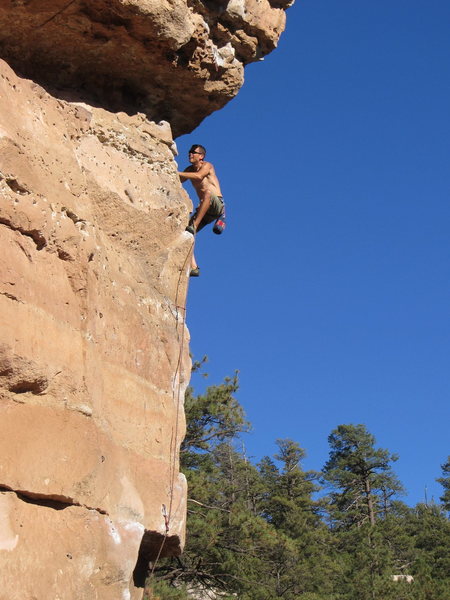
(176, 60)
(94, 260)
(92, 360)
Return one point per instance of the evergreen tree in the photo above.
(210, 419)
(306, 550)
(289, 505)
(360, 476)
(258, 533)
(445, 482)
(370, 556)
(361, 508)
(429, 530)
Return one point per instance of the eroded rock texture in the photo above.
(176, 60)
(93, 266)
(93, 277)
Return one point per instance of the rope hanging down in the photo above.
(173, 449)
(61, 10)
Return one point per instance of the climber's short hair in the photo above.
(198, 147)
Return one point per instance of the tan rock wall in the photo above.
(93, 349)
(93, 277)
(177, 60)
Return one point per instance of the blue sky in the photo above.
(329, 290)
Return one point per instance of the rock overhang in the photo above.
(93, 219)
(177, 61)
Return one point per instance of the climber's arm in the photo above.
(195, 176)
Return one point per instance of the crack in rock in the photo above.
(54, 501)
(15, 186)
(11, 297)
(34, 234)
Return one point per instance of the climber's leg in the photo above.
(202, 209)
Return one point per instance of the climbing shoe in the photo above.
(195, 272)
(191, 229)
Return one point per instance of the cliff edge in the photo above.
(177, 60)
(94, 262)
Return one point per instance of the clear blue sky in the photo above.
(329, 290)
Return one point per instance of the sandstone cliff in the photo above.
(94, 355)
(177, 60)
(91, 222)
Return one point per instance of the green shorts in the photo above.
(214, 211)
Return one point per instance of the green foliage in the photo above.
(211, 418)
(445, 482)
(159, 590)
(360, 476)
(258, 532)
(430, 530)
(287, 503)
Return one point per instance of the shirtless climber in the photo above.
(211, 206)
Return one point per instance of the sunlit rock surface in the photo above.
(93, 351)
(94, 262)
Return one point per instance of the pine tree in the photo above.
(429, 530)
(210, 419)
(360, 504)
(258, 533)
(360, 476)
(289, 505)
(213, 418)
(303, 555)
(445, 482)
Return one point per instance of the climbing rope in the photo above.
(173, 449)
(61, 10)
(177, 373)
